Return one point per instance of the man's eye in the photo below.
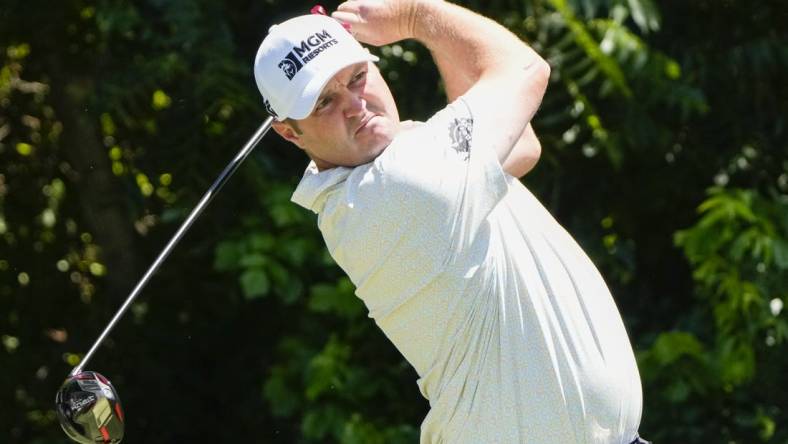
(360, 76)
(323, 103)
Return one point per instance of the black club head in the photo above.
(89, 409)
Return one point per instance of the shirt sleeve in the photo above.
(448, 174)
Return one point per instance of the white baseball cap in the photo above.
(297, 59)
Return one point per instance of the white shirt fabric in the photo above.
(511, 328)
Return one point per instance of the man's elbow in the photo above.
(537, 73)
(546, 69)
(528, 73)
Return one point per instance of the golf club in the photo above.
(87, 405)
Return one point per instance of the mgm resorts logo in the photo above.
(308, 50)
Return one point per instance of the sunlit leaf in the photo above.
(160, 100)
(254, 283)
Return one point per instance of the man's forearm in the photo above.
(471, 43)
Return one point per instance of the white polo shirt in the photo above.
(512, 330)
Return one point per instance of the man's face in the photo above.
(354, 120)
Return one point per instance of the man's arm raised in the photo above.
(526, 151)
(504, 79)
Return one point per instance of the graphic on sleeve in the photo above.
(460, 134)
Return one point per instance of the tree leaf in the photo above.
(254, 283)
(227, 256)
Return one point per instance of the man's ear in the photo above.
(288, 133)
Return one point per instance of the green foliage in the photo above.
(737, 249)
(734, 249)
(336, 299)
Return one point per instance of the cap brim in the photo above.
(303, 108)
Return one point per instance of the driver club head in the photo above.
(89, 409)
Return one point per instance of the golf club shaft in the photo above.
(228, 171)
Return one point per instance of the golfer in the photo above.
(512, 330)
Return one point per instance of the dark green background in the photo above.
(664, 153)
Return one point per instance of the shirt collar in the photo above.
(311, 192)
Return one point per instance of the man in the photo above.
(512, 330)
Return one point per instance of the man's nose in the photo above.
(355, 106)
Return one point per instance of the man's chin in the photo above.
(377, 151)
